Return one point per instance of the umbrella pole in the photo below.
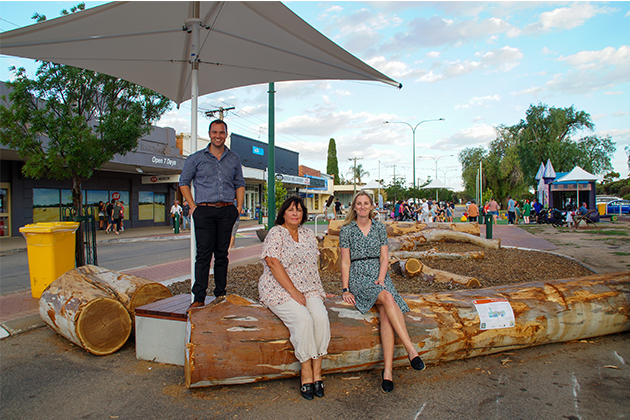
(194, 23)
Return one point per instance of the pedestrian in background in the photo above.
(185, 215)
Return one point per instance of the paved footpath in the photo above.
(19, 312)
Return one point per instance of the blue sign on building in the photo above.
(258, 151)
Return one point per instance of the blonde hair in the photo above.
(351, 216)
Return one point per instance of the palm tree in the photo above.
(358, 172)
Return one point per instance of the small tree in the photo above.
(281, 195)
(332, 164)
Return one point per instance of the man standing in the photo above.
(185, 215)
(473, 211)
(176, 209)
(337, 209)
(217, 177)
(511, 210)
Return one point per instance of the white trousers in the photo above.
(308, 325)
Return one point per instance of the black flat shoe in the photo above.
(417, 363)
(387, 386)
(308, 391)
(319, 389)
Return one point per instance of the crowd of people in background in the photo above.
(427, 211)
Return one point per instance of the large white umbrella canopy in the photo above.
(152, 44)
(186, 49)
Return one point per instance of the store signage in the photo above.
(116, 195)
(290, 179)
(163, 161)
(258, 151)
(162, 179)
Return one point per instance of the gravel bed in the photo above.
(499, 267)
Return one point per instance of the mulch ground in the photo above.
(499, 267)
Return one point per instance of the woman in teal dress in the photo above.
(365, 281)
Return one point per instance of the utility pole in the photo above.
(221, 112)
(354, 174)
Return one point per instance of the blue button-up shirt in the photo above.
(213, 180)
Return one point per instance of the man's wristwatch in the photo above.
(344, 290)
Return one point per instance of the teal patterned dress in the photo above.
(365, 252)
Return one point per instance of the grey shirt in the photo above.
(213, 180)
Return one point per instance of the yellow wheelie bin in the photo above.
(50, 248)
(601, 208)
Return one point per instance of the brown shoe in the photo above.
(194, 305)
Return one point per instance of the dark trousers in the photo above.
(511, 217)
(213, 230)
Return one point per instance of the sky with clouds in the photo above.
(477, 65)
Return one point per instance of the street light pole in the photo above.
(436, 159)
(413, 130)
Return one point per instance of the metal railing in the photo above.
(86, 234)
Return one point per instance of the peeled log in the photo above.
(432, 253)
(239, 341)
(131, 291)
(404, 228)
(85, 314)
(330, 259)
(409, 268)
(410, 241)
(431, 274)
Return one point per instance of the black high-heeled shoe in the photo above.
(387, 386)
(319, 389)
(308, 391)
(417, 363)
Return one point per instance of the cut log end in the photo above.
(149, 293)
(104, 326)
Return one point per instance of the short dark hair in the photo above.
(285, 206)
(218, 122)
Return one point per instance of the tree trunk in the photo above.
(430, 274)
(79, 249)
(434, 254)
(405, 228)
(330, 259)
(238, 341)
(410, 241)
(131, 291)
(409, 268)
(84, 314)
(84, 305)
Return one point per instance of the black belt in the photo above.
(217, 204)
(365, 258)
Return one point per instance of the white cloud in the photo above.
(436, 31)
(534, 90)
(334, 9)
(564, 18)
(394, 68)
(614, 93)
(621, 113)
(503, 59)
(478, 102)
(593, 70)
(478, 135)
(546, 51)
(433, 54)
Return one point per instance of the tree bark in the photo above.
(238, 341)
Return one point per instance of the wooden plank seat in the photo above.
(590, 218)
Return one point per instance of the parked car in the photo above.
(605, 198)
(612, 207)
